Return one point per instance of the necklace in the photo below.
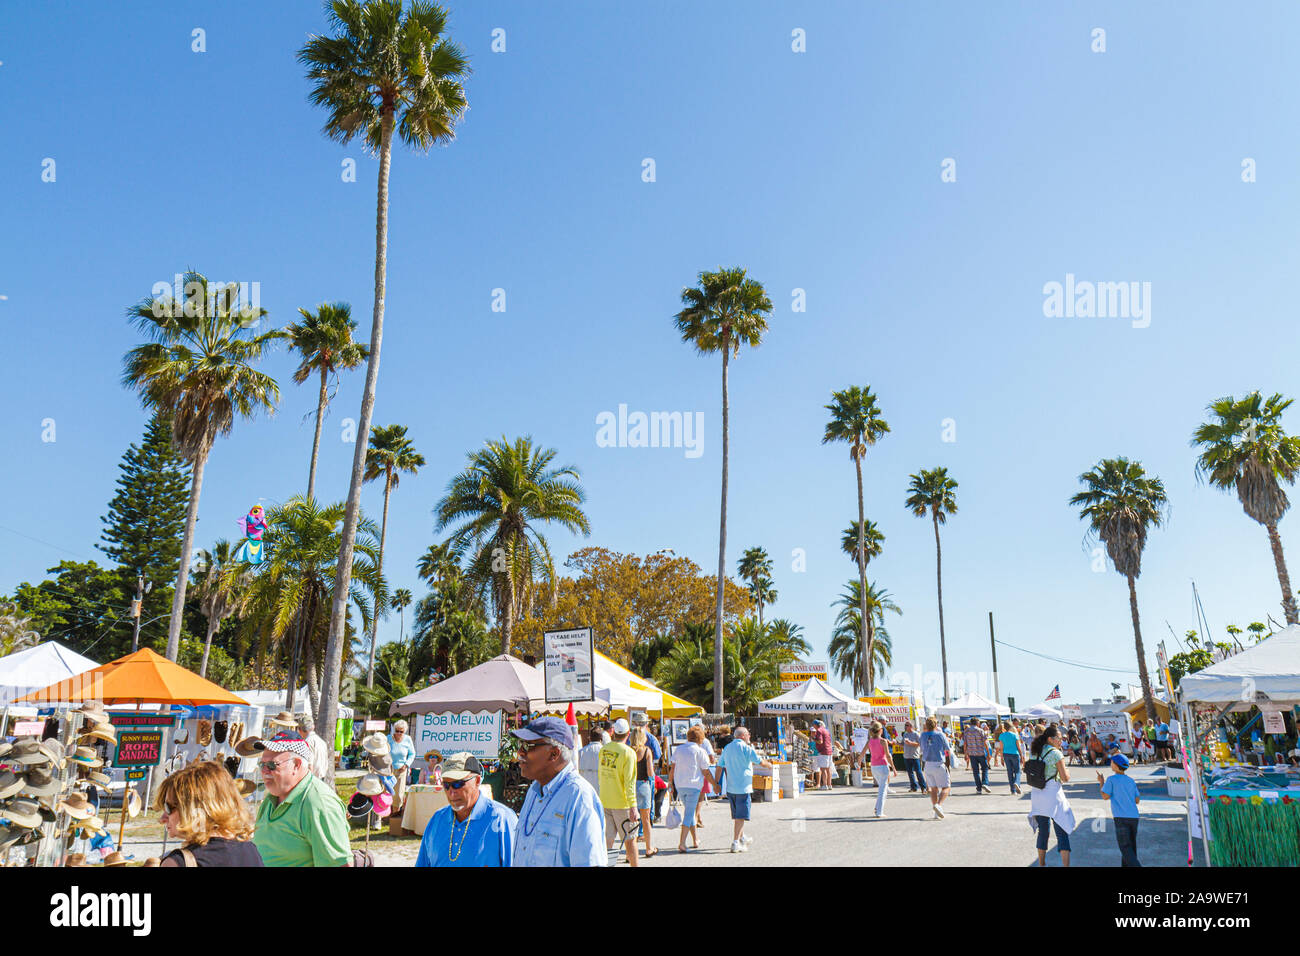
(541, 814)
(453, 851)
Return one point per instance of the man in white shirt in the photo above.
(320, 751)
(589, 758)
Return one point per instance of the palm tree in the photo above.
(199, 370)
(390, 452)
(218, 593)
(751, 659)
(727, 310)
(762, 591)
(849, 638)
(401, 601)
(1120, 503)
(290, 593)
(931, 492)
(384, 70)
(755, 564)
(1245, 449)
(855, 418)
(873, 541)
(324, 341)
(505, 492)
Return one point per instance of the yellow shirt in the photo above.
(617, 776)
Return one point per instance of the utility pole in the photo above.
(993, 645)
(137, 607)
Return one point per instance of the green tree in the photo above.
(1188, 662)
(390, 454)
(1244, 448)
(324, 340)
(401, 601)
(1121, 503)
(145, 520)
(85, 607)
(497, 506)
(219, 593)
(855, 419)
(755, 564)
(725, 311)
(849, 637)
(873, 541)
(931, 493)
(751, 666)
(1257, 629)
(199, 369)
(384, 70)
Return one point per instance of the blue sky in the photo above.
(817, 171)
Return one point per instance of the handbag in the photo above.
(674, 818)
(855, 777)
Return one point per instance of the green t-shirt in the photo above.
(617, 776)
(1051, 757)
(306, 828)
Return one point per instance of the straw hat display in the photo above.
(93, 711)
(86, 756)
(370, 785)
(115, 859)
(76, 806)
(249, 746)
(104, 732)
(75, 859)
(381, 764)
(22, 813)
(376, 745)
(41, 782)
(283, 719)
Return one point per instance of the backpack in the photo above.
(1036, 772)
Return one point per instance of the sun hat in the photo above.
(75, 859)
(376, 744)
(16, 836)
(249, 746)
(93, 710)
(102, 780)
(105, 732)
(461, 766)
(23, 813)
(433, 757)
(245, 786)
(40, 783)
(554, 728)
(115, 859)
(54, 750)
(92, 825)
(621, 726)
(86, 756)
(360, 805)
(25, 745)
(283, 719)
(382, 803)
(76, 806)
(381, 764)
(35, 757)
(133, 803)
(10, 783)
(288, 742)
(5, 747)
(370, 785)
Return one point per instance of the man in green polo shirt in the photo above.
(301, 821)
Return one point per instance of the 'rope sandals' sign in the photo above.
(138, 748)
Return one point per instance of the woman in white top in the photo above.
(689, 765)
(1048, 808)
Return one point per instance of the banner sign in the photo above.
(134, 718)
(478, 733)
(794, 673)
(28, 728)
(1273, 722)
(570, 665)
(1071, 712)
(375, 725)
(138, 748)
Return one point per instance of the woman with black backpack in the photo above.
(1048, 808)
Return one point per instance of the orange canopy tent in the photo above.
(144, 677)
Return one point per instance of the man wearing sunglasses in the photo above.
(474, 830)
(561, 822)
(301, 822)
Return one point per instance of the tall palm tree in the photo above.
(855, 418)
(1120, 503)
(401, 601)
(725, 311)
(763, 592)
(931, 493)
(289, 595)
(390, 453)
(1245, 448)
(383, 71)
(506, 492)
(198, 369)
(850, 639)
(872, 538)
(324, 340)
(219, 594)
(755, 563)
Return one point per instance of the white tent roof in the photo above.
(972, 705)
(1041, 710)
(813, 696)
(38, 667)
(273, 701)
(1269, 669)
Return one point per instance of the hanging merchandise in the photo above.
(250, 551)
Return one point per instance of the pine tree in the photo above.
(142, 530)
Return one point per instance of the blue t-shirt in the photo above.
(738, 759)
(1010, 743)
(486, 838)
(1123, 793)
(1162, 732)
(933, 746)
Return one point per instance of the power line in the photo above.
(1062, 660)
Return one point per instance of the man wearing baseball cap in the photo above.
(1122, 794)
(301, 822)
(618, 791)
(472, 830)
(561, 821)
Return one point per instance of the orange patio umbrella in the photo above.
(144, 677)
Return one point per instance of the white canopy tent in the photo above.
(39, 667)
(973, 705)
(1268, 672)
(272, 701)
(1040, 711)
(813, 696)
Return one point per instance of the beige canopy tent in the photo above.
(503, 683)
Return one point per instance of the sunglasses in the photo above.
(530, 745)
(455, 784)
(271, 766)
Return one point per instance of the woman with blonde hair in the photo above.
(690, 771)
(202, 807)
(645, 785)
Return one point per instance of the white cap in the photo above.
(621, 727)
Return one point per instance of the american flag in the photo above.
(1055, 694)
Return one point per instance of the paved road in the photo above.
(838, 829)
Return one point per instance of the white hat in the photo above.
(621, 727)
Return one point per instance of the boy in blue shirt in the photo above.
(1123, 795)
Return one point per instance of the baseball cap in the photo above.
(552, 727)
(621, 727)
(461, 766)
(287, 741)
(1120, 761)
(817, 723)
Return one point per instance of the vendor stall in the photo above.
(1245, 815)
(973, 705)
(813, 697)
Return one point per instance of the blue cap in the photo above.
(553, 727)
(1120, 761)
